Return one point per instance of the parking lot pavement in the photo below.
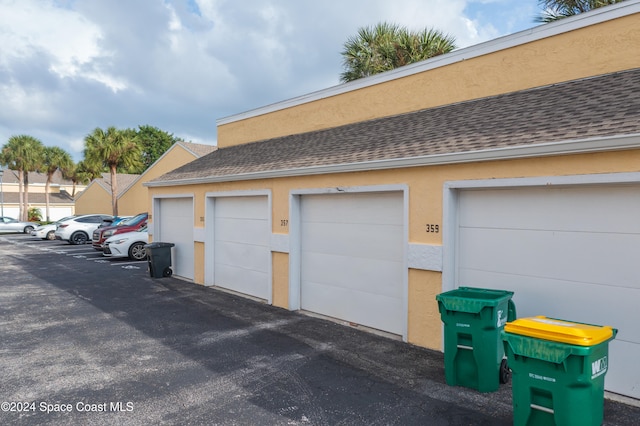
(88, 340)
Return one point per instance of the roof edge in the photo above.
(141, 175)
(574, 146)
(535, 33)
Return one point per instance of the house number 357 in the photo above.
(433, 228)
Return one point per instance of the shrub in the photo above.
(35, 215)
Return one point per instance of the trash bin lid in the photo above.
(158, 244)
(556, 330)
(472, 299)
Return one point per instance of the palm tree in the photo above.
(113, 149)
(24, 154)
(54, 159)
(385, 46)
(80, 173)
(558, 9)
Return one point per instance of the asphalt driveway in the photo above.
(84, 340)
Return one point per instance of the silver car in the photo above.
(9, 224)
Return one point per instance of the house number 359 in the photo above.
(433, 228)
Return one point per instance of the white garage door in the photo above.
(352, 258)
(242, 255)
(176, 226)
(569, 252)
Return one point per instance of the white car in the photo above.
(129, 244)
(48, 231)
(78, 230)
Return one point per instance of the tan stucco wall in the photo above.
(280, 271)
(40, 189)
(607, 47)
(135, 199)
(33, 188)
(198, 254)
(94, 200)
(425, 206)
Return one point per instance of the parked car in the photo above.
(48, 231)
(129, 244)
(115, 220)
(9, 224)
(79, 229)
(101, 234)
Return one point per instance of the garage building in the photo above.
(513, 164)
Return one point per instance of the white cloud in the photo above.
(68, 67)
(34, 28)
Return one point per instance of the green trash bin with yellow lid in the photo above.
(558, 370)
(473, 349)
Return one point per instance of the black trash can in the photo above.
(159, 257)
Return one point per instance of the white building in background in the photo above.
(61, 194)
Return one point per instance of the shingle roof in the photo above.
(39, 198)
(198, 149)
(11, 176)
(595, 107)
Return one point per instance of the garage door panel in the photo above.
(571, 300)
(176, 226)
(241, 207)
(623, 354)
(355, 240)
(381, 209)
(241, 280)
(538, 253)
(356, 274)
(354, 306)
(352, 258)
(568, 253)
(520, 208)
(249, 231)
(244, 256)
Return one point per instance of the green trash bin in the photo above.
(558, 371)
(473, 349)
(159, 258)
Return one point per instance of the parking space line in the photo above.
(129, 263)
(83, 256)
(77, 248)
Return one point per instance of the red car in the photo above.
(100, 235)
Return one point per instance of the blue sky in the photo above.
(69, 66)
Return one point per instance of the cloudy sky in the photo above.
(69, 66)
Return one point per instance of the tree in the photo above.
(24, 154)
(81, 173)
(54, 158)
(385, 46)
(559, 9)
(153, 142)
(113, 149)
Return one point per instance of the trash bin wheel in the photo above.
(505, 372)
(167, 272)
